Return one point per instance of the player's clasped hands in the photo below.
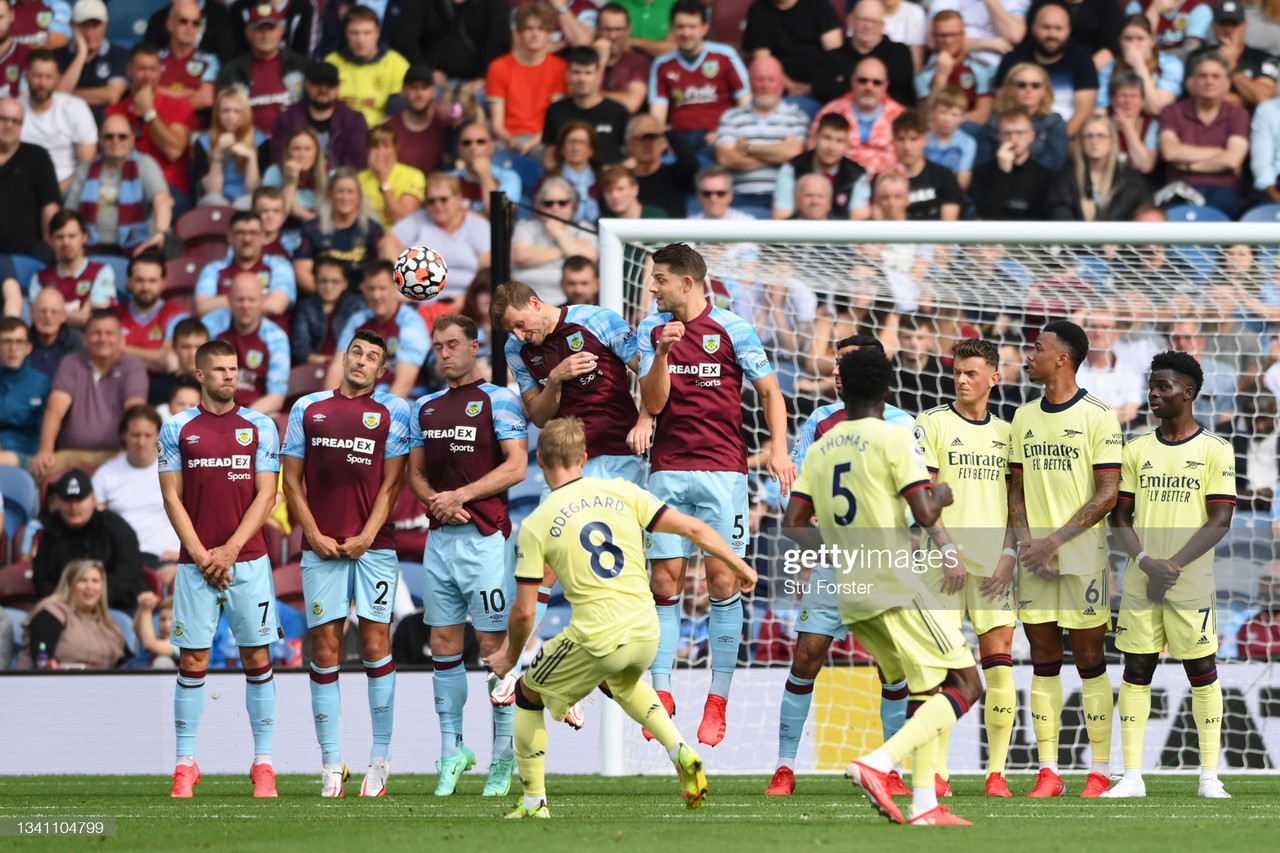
(997, 586)
(447, 507)
(1037, 556)
(325, 547)
(1161, 576)
(216, 566)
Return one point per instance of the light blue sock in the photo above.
(504, 731)
(450, 685)
(893, 707)
(188, 706)
(544, 596)
(668, 639)
(326, 708)
(726, 637)
(797, 696)
(260, 702)
(382, 704)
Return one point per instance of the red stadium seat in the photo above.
(306, 379)
(16, 588)
(206, 251)
(153, 581)
(181, 275)
(203, 223)
(727, 20)
(182, 299)
(288, 583)
(276, 547)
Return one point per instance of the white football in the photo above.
(420, 273)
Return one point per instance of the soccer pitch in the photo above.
(631, 813)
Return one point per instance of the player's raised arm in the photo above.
(701, 534)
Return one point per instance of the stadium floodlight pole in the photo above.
(501, 223)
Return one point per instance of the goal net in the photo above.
(1138, 289)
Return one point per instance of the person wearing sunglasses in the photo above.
(1027, 89)
(715, 195)
(540, 246)
(870, 113)
(834, 70)
(479, 175)
(662, 184)
(1069, 65)
(185, 70)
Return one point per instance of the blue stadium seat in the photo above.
(15, 616)
(411, 573)
(120, 266)
(1263, 213)
(529, 170)
(555, 621)
(125, 621)
(21, 499)
(25, 266)
(1194, 213)
(127, 23)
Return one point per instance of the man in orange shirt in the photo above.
(522, 84)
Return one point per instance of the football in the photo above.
(420, 273)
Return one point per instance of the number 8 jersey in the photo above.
(591, 534)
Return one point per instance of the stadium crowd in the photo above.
(231, 173)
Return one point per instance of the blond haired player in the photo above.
(967, 447)
(590, 534)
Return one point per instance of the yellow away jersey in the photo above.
(856, 477)
(591, 533)
(1058, 448)
(973, 458)
(1171, 485)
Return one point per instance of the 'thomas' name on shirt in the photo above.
(1058, 448)
(1171, 485)
(591, 533)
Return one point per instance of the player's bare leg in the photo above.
(1046, 703)
(995, 648)
(1098, 701)
(666, 581)
(380, 671)
(502, 763)
(326, 703)
(726, 640)
(260, 702)
(449, 683)
(188, 706)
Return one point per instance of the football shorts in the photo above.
(250, 605)
(718, 498)
(331, 585)
(464, 572)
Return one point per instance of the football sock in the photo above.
(188, 706)
(450, 686)
(1206, 704)
(893, 707)
(668, 639)
(1135, 710)
(641, 703)
(937, 714)
(940, 756)
(540, 611)
(326, 707)
(797, 696)
(1046, 710)
(260, 702)
(726, 637)
(531, 752)
(382, 704)
(924, 796)
(1001, 709)
(1097, 699)
(503, 730)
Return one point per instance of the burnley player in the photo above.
(590, 532)
(817, 628)
(1178, 482)
(966, 446)
(886, 607)
(693, 359)
(219, 464)
(349, 447)
(1064, 476)
(469, 444)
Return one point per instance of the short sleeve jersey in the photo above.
(825, 417)
(698, 91)
(95, 284)
(602, 398)
(218, 457)
(1191, 19)
(184, 75)
(152, 329)
(345, 442)
(405, 333)
(264, 355)
(275, 273)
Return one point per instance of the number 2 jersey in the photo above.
(591, 534)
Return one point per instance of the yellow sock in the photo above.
(933, 717)
(1098, 702)
(1046, 713)
(940, 758)
(1135, 709)
(643, 705)
(1206, 704)
(1001, 712)
(531, 751)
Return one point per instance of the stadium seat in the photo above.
(206, 251)
(181, 275)
(25, 266)
(125, 621)
(183, 300)
(21, 503)
(412, 574)
(1263, 213)
(204, 223)
(128, 21)
(16, 586)
(305, 379)
(153, 581)
(1194, 213)
(17, 617)
(728, 18)
(288, 583)
(529, 170)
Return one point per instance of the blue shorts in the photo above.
(629, 468)
(465, 572)
(250, 604)
(330, 586)
(823, 616)
(718, 498)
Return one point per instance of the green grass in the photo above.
(633, 813)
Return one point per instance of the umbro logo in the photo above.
(193, 439)
(537, 359)
(956, 442)
(317, 417)
(1203, 641)
(1193, 465)
(1147, 466)
(1029, 434)
(1072, 433)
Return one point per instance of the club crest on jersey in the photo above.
(372, 419)
(82, 287)
(12, 73)
(711, 68)
(195, 68)
(575, 341)
(244, 437)
(711, 343)
(156, 334)
(473, 409)
(966, 80)
(253, 359)
(44, 19)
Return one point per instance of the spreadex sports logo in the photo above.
(364, 446)
(456, 433)
(707, 373)
(239, 465)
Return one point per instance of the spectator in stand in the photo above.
(301, 24)
(42, 23)
(322, 314)
(587, 103)
(1203, 139)
(188, 335)
(1160, 74)
(651, 25)
(923, 383)
(813, 199)
(84, 284)
(31, 195)
(523, 84)
(54, 339)
(693, 85)
(715, 195)
(1215, 406)
(935, 193)
(270, 74)
(59, 123)
(13, 54)
(394, 189)
(10, 289)
(217, 30)
(421, 128)
(185, 70)
(1139, 132)
(126, 485)
(792, 32)
(1259, 637)
(851, 189)
(539, 246)
(1255, 444)
(152, 625)
(461, 40)
(1012, 186)
(302, 174)
(947, 144)
(92, 68)
(90, 388)
(262, 346)
(370, 73)
(1264, 151)
(340, 129)
(1070, 69)
(1096, 186)
(269, 203)
(479, 176)
(445, 224)
(575, 157)
(1253, 72)
(147, 321)
(662, 184)
(1027, 89)
(834, 71)
(71, 626)
(755, 140)
(24, 390)
(228, 160)
(580, 281)
(870, 113)
(905, 23)
(1264, 26)
(953, 66)
(1181, 26)
(400, 325)
(398, 27)
(991, 27)
(273, 273)
(1095, 24)
(620, 192)
(626, 72)
(346, 229)
(1120, 385)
